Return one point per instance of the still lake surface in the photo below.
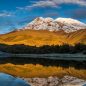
(77, 56)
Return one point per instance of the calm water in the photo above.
(8, 80)
(47, 56)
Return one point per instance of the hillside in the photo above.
(76, 37)
(43, 37)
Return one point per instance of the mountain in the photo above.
(66, 24)
(47, 31)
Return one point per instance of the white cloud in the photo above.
(41, 3)
(46, 3)
(78, 2)
(53, 3)
(5, 14)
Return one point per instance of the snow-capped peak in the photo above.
(66, 24)
(69, 21)
(49, 19)
(41, 19)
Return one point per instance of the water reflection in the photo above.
(8, 80)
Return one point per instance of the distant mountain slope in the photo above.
(76, 37)
(43, 37)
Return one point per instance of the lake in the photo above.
(76, 57)
(8, 80)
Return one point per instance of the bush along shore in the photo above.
(65, 48)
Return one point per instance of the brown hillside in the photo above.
(43, 37)
(76, 37)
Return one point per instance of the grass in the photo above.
(43, 37)
(31, 70)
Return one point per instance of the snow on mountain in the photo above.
(66, 24)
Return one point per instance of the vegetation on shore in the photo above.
(77, 48)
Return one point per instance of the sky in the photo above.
(15, 14)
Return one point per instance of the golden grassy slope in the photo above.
(31, 70)
(43, 37)
(76, 37)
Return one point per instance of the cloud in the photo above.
(78, 2)
(5, 14)
(53, 3)
(46, 3)
(38, 4)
